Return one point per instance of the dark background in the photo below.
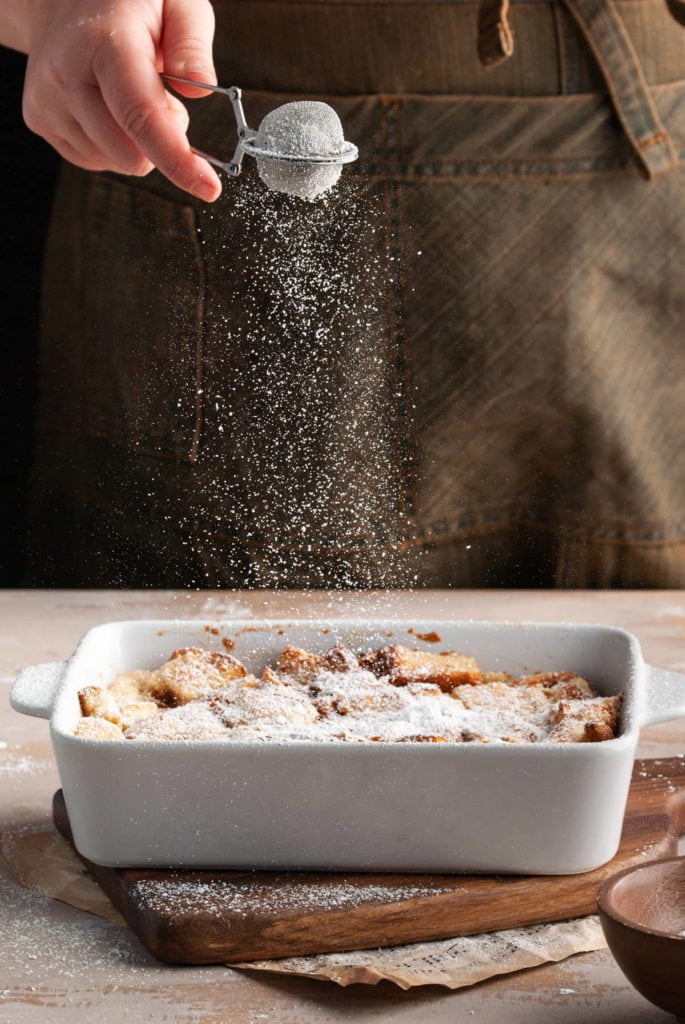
(28, 167)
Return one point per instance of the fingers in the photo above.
(65, 134)
(93, 90)
(149, 116)
(76, 157)
(105, 134)
(187, 43)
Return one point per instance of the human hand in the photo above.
(93, 89)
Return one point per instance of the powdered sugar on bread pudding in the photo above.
(382, 696)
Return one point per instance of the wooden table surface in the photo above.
(58, 964)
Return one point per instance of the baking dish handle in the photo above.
(35, 688)
(665, 696)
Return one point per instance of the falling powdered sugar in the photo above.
(303, 477)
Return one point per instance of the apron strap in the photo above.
(495, 37)
(606, 35)
(608, 39)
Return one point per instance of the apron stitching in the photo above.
(440, 165)
(488, 517)
(471, 161)
(550, 99)
(498, 171)
(442, 535)
(568, 531)
(659, 137)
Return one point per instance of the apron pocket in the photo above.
(143, 301)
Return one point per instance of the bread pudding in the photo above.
(390, 695)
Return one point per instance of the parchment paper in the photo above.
(45, 863)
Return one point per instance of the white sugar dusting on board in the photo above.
(243, 897)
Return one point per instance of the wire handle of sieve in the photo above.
(231, 167)
(234, 94)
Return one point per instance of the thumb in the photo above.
(187, 36)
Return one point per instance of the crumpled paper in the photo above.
(45, 863)
(454, 963)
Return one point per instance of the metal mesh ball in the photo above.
(304, 128)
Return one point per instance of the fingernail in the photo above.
(207, 190)
(195, 74)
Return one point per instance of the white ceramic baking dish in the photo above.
(530, 808)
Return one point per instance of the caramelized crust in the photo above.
(301, 666)
(446, 670)
(596, 732)
(423, 739)
(298, 665)
(559, 685)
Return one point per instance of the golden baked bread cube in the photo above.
(302, 666)
(340, 659)
(362, 695)
(133, 686)
(98, 729)
(500, 697)
(559, 685)
(192, 721)
(298, 664)
(269, 676)
(192, 674)
(446, 670)
(584, 721)
(135, 710)
(97, 702)
(274, 704)
(100, 703)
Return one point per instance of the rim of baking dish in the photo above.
(62, 717)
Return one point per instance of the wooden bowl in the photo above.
(642, 910)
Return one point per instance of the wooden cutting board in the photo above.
(207, 917)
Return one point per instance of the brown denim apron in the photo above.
(519, 420)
